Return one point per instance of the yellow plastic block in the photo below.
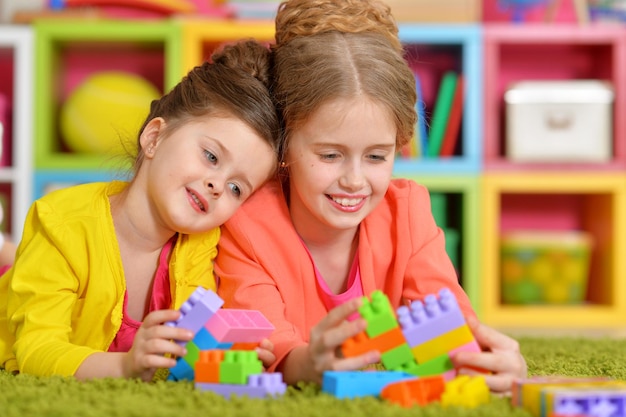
(442, 344)
(465, 391)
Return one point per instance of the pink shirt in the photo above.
(159, 300)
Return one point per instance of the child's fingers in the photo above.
(333, 338)
(265, 356)
(160, 317)
(357, 362)
(340, 313)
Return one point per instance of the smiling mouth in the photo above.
(346, 202)
(197, 201)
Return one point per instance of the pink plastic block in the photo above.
(259, 386)
(468, 347)
(424, 321)
(239, 326)
(197, 310)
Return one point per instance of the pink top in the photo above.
(160, 299)
(354, 288)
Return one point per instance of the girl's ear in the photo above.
(151, 135)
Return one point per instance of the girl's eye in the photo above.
(329, 156)
(210, 156)
(380, 158)
(234, 188)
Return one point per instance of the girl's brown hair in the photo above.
(235, 82)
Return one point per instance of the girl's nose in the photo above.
(215, 188)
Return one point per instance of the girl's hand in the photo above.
(501, 358)
(327, 337)
(265, 350)
(152, 342)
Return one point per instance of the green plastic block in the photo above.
(397, 356)
(193, 354)
(378, 313)
(238, 365)
(436, 366)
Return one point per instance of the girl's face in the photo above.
(199, 175)
(340, 165)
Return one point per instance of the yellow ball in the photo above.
(106, 110)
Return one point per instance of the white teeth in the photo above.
(347, 202)
(197, 201)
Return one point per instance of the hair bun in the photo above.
(296, 18)
(249, 56)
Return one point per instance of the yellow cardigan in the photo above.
(63, 298)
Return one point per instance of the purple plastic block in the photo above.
(596, 402)
(352, 384)
(433, 317)
(197, 310)
(259, 386)
(239, 326)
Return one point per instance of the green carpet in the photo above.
(25, 395)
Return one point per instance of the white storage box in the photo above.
(559, 121)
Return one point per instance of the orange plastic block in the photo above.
(244, 346)
(207, 367)
(412, 392)
(362, 343)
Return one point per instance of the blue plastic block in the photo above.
(181, 371)
(352, 384)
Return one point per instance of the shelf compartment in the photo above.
(594, 203)
(68, 51)
(431, 50)
(551, 52)
(462, 197)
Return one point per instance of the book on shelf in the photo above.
(451, 134)
(421, 132)
(441, 113)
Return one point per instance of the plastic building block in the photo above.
(378, 313)
(424, 321)
(436, 366)
(246, 326)
(443, 343)
(466, 391)
(362, 343)
(197, 310)
(259, 386)
(352, 384)
(596, 401)
(397, 356)
(207, 367)
(412, 392)
(238, 365)
(205, 341)
(181, 371)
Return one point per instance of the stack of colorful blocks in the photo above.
(416, 345)
(220, 357)
(556, 396)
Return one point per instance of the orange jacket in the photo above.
(262, 264)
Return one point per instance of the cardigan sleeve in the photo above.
(246, 279)
(42, 294)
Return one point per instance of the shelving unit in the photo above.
(16, 67)
(487, 193)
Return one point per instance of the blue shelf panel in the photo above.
(49, 180)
